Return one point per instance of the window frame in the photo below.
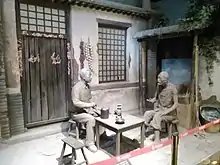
(42, 10)
(114, 26)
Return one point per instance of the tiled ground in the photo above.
(45, 151)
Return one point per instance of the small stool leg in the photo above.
(77, 131)
(73, 156)
(70, 128)
(62, 154)
(167, 127)
(84, 155)
(176, 128)
(170, 130)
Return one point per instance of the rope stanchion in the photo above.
(118, 159)
(175, 147)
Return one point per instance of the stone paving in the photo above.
(192, 150)
(43, 151)
(46, 150)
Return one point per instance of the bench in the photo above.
(75, 145)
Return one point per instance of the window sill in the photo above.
(114, 85)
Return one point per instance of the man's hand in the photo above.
(93, 114)
(152, 100)
(165, 111)
(92, 104)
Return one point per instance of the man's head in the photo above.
(162, 78)
(86, 75)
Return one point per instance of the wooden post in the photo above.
(140, 78)
(195, 83)
(196, 70)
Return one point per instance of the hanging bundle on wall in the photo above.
(86, 53)
(89, 56)
(19, 46)
(82, 54)
(68, 58)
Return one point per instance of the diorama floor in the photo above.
(45, 150)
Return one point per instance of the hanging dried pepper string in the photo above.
(90, 56)
(82, 54)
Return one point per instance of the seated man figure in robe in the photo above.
(166, 99)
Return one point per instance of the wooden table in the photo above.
(131, 122)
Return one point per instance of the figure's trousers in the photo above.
(155, 117)
(89, 121)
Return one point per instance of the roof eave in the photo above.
(150, 33)
(112, 7)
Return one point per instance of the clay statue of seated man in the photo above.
(166, 100)
(85, 111)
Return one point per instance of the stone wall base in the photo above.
(4, 118)
(16, 114)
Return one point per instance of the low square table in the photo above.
(131, 122)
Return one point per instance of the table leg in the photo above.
(142, 135)
(118, 143)
(97, 135)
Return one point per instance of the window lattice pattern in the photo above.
(112, 55)
(42, 19)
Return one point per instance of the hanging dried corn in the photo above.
(68, 58)
(89, 56)
(82, 54)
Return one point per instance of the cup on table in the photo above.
(104, 113)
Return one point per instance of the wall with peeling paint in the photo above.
(209, 90)
(84, 25)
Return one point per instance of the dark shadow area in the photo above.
(127, 145)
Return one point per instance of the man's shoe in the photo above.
(92, 148)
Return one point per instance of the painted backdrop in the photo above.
(179, 72)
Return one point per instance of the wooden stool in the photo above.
(75, 145)
(172, 126)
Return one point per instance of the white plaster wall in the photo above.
(11, 56)
(206, 90)
(84, 25)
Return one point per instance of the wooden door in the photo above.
(45, 79)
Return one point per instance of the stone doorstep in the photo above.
(38, 132)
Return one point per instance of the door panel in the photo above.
(45, 80)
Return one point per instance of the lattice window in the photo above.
(42, 19)
(112, 54)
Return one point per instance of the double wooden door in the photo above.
(45, 80)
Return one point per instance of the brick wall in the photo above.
(4, 120)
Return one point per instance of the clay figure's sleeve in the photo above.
(75, 98)
(175, 98)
